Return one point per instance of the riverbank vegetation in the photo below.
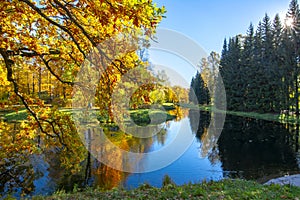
(224, 189)
(140, 116)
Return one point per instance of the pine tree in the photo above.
(223, 76)
(249, 73)
(198, 93)
(293, 45)
(279, 100)
(192, 95)
(258, 68)
(224, 54)
(228, 72)
(261, 73)
(267, 67)
(235, 96)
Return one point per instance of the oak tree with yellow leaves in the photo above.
(43, 45)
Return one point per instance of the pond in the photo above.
(247, 148)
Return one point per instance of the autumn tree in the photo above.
(55, 38)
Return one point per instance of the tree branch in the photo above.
(55, 24)
(53, 73)
(85, 33)
(8, 64)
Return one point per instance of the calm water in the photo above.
(247, 148)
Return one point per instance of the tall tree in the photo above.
(258, 59)
(231, 71)
(198, 93)
(58, 36)
(292, 39)
(248, 68)
(278, 72)
(267, 67)
(261, 74)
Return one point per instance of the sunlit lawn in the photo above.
(141, 116)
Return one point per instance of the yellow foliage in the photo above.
(42, 46)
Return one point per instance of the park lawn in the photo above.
(139, 116)
(19, 115)
(224, 189)
(142, 116)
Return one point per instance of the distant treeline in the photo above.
(260, 70)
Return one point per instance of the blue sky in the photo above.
(208, 22)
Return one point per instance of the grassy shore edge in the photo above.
(224, 189)
(281, 118)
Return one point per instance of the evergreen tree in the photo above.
(224, 54)
(226, 71)
(260, 70)
(278, 72)
(198, 93)
(192, 95)
(292, 45)
(231, 74)
(267, 90)
(249, 72)
(223, 76)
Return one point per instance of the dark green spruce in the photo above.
(260, 70)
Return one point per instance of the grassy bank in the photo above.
(225, 189)
(142, 116)
(282, 118)
(139, 116)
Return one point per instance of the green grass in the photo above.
(263, 116)
(225, 189)
(169, 106)
(139, 116)
(15, 116)
(144, 116)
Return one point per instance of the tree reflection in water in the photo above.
(256, 148)
(248, 148)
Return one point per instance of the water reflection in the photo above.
(16, 170)
(190, 167)
(208, 130)
(247, 148)
(255, 149)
